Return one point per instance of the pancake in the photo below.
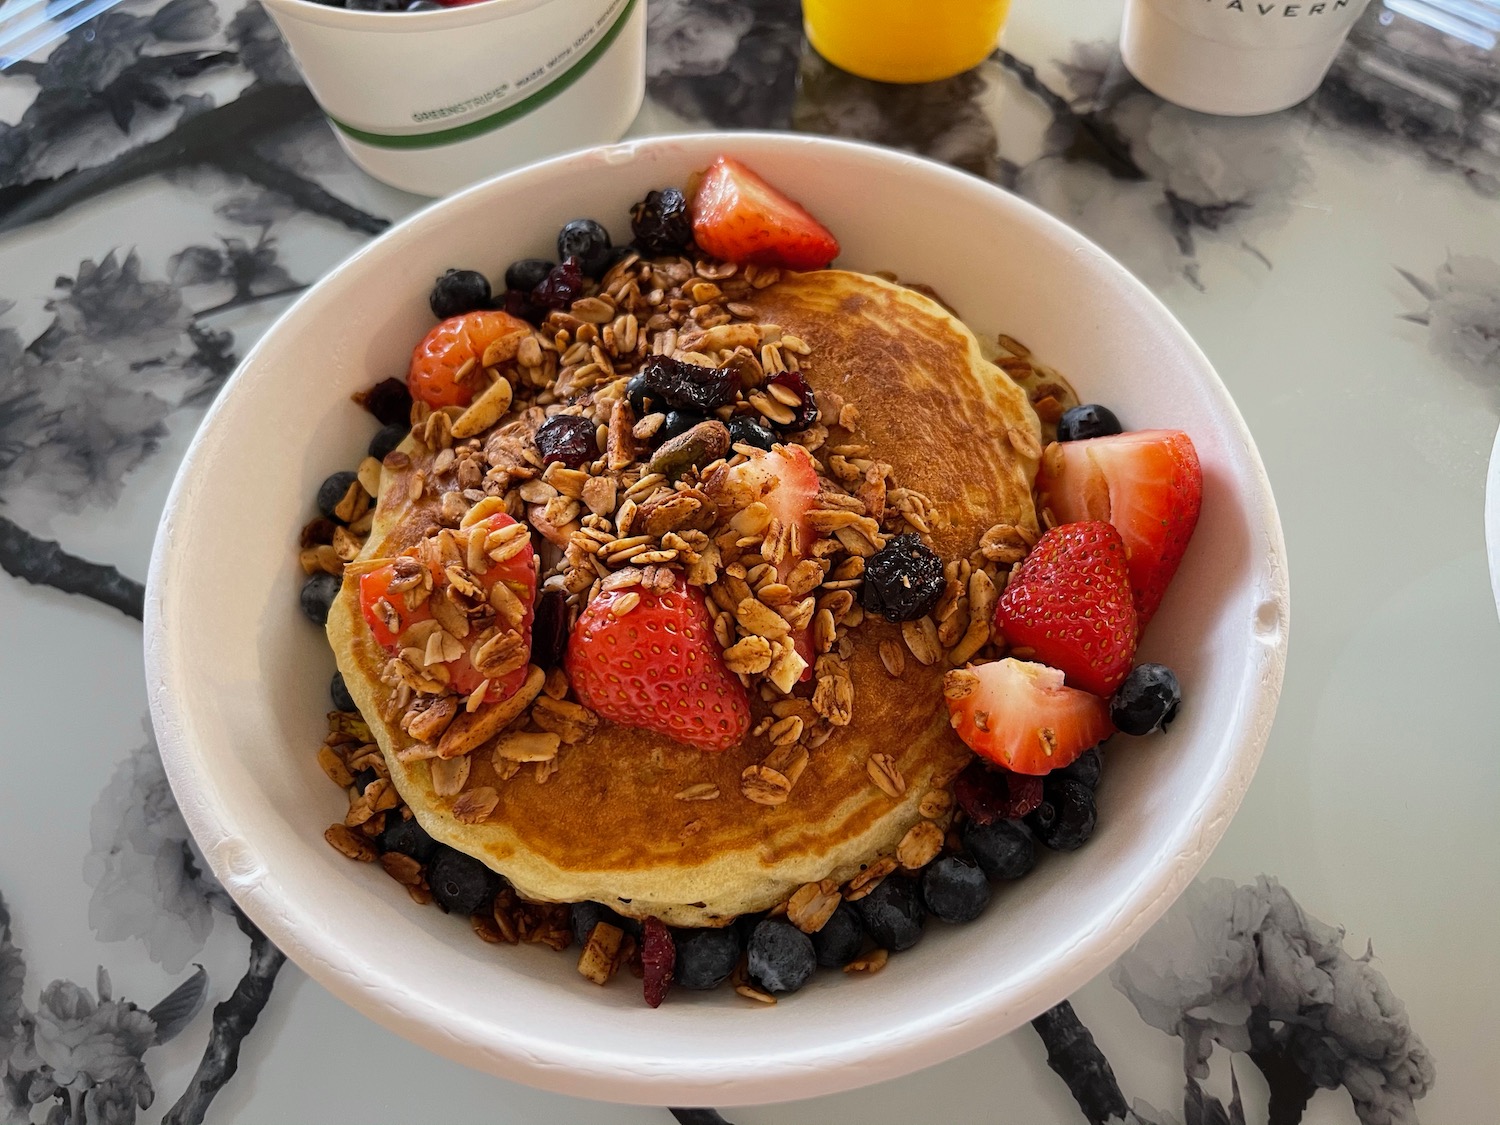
(609, 824)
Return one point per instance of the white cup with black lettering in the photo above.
(432, 101)
(1234, 57)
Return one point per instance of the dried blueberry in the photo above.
(1065, 819)
(1084, 769)
(332, 490)
(587, 241)
(893, 913)
(567, 438)
(586, 915)
(1147, 701)
(677, 423)
(840, 939)
(458, 291)
(705, 958)
(1003, 850)
(460, 883)
(387, 438)
(527, 273)
(903, 580)
(549, 629)
(389, 400)
(781, 956)
(338, 691)
(317, 597)
(407, 837)
(561, 287)
(745, 430)
(804, 415)
(664, 383)
(1087, 421)
(954, 889)
(661, 223)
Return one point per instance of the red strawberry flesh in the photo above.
(741, 218)
(1020, 716)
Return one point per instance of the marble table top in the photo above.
(167, 187)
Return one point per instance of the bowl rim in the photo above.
(870, 1055)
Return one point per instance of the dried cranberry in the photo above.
(658, 955)
(661, 222)
(664, 383)
(549, 629)
(567, 438)
(988, 795)
(805, 415)
(520, 305)
(561, 287)
(388, 400)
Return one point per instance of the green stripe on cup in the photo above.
(501, 117)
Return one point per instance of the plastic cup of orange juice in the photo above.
(904, 40)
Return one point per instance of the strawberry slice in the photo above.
(656, 664)
(447, 366)
(1070, 603)
(1020, 716)
(739, 217)
(1148, 483)
(392, 615)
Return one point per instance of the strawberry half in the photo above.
(739, 217)
(1148, 483)
(657, 666)
(1070, 603)
(1020, 716)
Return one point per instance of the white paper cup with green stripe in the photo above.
(433, 101)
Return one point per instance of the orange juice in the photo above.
(904, 40)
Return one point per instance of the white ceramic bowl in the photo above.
(239, 679)
(1492, 518)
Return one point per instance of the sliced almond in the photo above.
(469, 730)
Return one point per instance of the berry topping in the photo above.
(1086, 768)
(903, 580)
(584, 916)
(338, 691)
(739, 217)
(1087, 421)
(561, 287)
(1019, 715)
(569, 439)
(705, 958)
(804, 414)
(664, 383)
(988, 794)
(458, 292)
(781, 957)
(893, 913)
(587, 241)
(658, 958)
(389, 400)
(657, 665)
(1147, 701)
(745, 430)
(1148, 483)
(1003, 850)
(661, 223)
(677, 423)
(1070, 603)
(549, 630)
(447, 367)
(460, 883)
(841, 938)
(1065, 819)
(521, 304)
(955, 889)
(387, 438)
(332, 490)
(527, 273)
(407, 837)
(317, 597)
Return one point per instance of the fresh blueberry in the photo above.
(1064, 820)
(745, 925)
(458, 291)
(1084, 769)
(587, 915)
(840, 939)
(317, 597)
(587, 241)
(339, 692)
(407, 837)
(1003, 849)
(954, 889)
(1087, 421)
(745, 430)
(528, 273)
(460, 883)
(387, 438)
(903, 580)
(705, 958)
(676, 423)
(1147, 700)
(893, 913)
(781, 956)
(332, 490)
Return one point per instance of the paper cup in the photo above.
(432, 101)
(1234, 57)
